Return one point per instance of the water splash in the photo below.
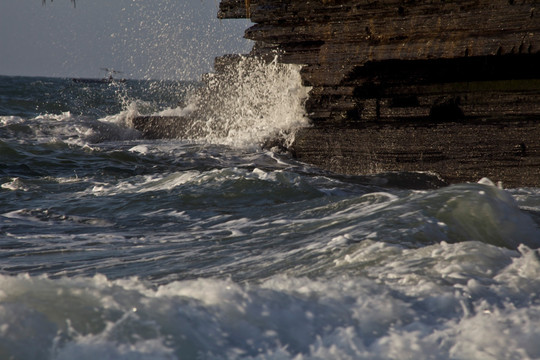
(174, 39)
(246, 103)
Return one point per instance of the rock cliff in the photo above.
(451, 87)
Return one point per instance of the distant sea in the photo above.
(209, 247)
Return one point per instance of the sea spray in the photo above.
(173, 39)
(246, 103)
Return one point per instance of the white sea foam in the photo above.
(407, 304)
(144, 183)
(131, 109)
(74, 129)
(10, 120)
(209, 179)
(17, 184)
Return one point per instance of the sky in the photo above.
(145, 39)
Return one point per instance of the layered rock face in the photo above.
(402, 85)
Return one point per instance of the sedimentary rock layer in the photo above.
(342, 44)
(507, 151)
(402, 85)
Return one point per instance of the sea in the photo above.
(212, 246)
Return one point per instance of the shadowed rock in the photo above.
(163, 127)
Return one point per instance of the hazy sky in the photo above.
(166, 39)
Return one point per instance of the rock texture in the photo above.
(451, 87)
(504, 151)
(164, 127)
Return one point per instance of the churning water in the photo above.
(116, 247)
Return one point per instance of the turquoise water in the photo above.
(117, 247)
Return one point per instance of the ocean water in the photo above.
(117, 247)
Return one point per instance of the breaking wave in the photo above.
(246, 103)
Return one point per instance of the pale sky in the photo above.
(157, 39)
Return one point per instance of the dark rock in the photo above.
(163, 127)
(373, 46)
(446, 86)
(506, 151)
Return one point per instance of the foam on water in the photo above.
(70, 129)
(330, 281)
(446, 301)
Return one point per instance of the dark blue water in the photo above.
(117, 247)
